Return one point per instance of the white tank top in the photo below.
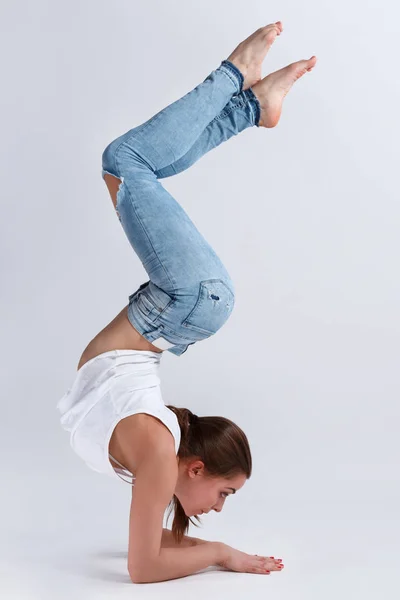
(106, 389)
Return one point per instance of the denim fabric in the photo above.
(189, 294)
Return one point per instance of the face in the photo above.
(198, 492)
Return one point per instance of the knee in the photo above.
(124, 157)
(108, 159)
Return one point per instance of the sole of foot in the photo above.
(272, 89)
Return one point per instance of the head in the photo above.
(214, 463)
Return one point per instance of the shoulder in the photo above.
(143, 435)
(155, 432)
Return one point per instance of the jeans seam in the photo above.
(225, 113)
(240, 104)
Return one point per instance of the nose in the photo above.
(215, 507)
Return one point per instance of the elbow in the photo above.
(141, 578)
(142, 575)
(136, 576)
(144, 569)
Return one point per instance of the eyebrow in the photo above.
(233, 490)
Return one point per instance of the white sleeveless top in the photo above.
(106, 389)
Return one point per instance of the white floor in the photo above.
(71, 542)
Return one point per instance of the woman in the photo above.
(114, 411)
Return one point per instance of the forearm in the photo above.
(173, 563)
(168, 541)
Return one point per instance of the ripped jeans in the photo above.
(189, 295)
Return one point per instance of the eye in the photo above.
(224, 494)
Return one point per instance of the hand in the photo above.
(234, 560)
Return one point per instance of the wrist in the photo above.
(222, 553)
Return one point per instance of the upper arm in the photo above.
(155, 482)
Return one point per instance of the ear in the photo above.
(196, 468)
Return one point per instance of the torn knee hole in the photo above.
(113, 184)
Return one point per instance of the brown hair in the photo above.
(220, 444)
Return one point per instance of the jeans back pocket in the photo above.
(214, 304)
(151, 300)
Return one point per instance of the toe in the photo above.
(272, 27)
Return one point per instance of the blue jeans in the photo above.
(189, 295)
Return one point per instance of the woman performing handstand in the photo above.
(114, 411)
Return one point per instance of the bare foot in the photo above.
(271, 90)
(248, 56)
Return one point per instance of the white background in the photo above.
(306, 219)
